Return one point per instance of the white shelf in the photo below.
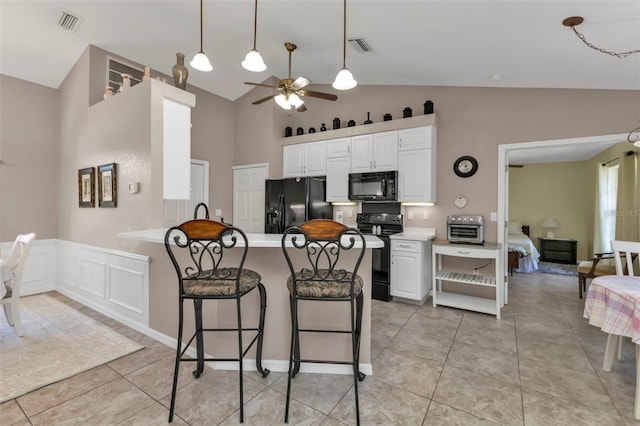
(466, 278)
(470, 303)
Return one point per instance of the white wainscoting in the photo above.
(39, 273)
(112, 282)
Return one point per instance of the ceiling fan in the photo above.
(289, 92)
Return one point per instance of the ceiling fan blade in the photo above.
(321, 95)
(300, 82)
(261, 85)
(259, 101)
(301, 108)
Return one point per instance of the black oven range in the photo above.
(382, 225)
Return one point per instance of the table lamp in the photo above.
(551, 224)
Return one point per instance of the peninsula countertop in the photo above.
(255, 240)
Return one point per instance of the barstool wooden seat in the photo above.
(196, 250)
(317, 274)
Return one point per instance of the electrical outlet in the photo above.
(218, 212)
(339, 216)
(425, 215)
(410, 215)
(493, 217)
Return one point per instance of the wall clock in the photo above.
(465, 166)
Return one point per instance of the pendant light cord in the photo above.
(255, 24)
(201, 26)
(344, 38)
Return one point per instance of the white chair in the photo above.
(13, 267)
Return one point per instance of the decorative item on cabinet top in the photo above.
(368, 121)
(407, 112)
(428, 107)
(351, 123)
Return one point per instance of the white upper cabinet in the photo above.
(338, 179)
(339, 147)
(416, 138)
(376, 152)
(307, 159)
(417, 165)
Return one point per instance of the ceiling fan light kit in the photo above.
(200, 61)
(344, 79)
(253, 61)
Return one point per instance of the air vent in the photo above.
(67, 21)
(360, 44)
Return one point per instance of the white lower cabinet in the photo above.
(410, 269)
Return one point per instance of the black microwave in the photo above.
(375, 186)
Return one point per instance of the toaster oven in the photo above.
(465, 229)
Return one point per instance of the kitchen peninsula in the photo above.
(265, 257)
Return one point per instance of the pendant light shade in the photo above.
(200, 61)
(344, 79)
(253, 61)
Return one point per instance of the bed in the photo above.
(521, 246)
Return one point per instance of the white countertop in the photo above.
(255, 240)
(415, 234)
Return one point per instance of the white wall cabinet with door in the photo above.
(338, 168)
(417, 164)
(410, 269)
(179, 211)
(377, 152)
(305, 159)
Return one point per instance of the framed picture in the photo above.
(107, 186)
(87, 187)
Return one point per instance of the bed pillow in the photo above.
(515, 227)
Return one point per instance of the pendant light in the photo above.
(200, 61)
(344, 79)
(253, 61)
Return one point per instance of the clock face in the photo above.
(465, 166)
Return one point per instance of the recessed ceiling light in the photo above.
(496, 77)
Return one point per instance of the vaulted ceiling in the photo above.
(419, 42)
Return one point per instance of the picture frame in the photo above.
(87, 187)
(107, 186)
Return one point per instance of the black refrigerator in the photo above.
(293, 201)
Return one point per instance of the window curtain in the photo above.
(600, 219)
(628, 202)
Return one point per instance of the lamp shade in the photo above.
(253, 62)
(551, 224)
(344, 80)
(200, 62)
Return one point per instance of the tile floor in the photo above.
(539, 365)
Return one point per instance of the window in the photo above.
(608, 203)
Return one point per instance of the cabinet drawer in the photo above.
(465, 251)
(558, 245)
(406, 245)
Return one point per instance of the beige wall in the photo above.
(470, 121)
(564, 191)
(29, 140)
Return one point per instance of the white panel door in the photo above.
(179, 211)
(248, 197)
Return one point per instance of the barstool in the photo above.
(196, 249)
(317, 274)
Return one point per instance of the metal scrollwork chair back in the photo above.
(200, 252)
(320, 271)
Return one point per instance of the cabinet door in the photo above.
(362, 154)
(385, 151)
(339, 147)
(338, 178)
(405, 276)
(416, 138)
(315, 155)
(416, 180)
(292, 160)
